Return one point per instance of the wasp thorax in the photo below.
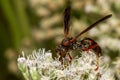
(66, 42)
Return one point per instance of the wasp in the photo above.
(71, 43)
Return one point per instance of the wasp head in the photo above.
(61, 50)
(64, 47)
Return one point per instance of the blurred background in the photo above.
(26, 25)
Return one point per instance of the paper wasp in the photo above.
(71, 43)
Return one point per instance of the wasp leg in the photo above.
(98, 54)
(97, 63)
(61, 59)
(70, 57)
(97, 51)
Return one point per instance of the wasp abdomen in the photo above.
(89, 44)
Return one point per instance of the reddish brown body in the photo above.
(72, 43)
(92, 45)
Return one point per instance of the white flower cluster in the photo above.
(41, 66)
(117, 68)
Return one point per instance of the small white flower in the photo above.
(21, 60)
(59, 73)
(41, 66)
(45, 78)
(117, 67)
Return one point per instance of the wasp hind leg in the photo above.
(70, 58)
(92, 45)
(98, 54)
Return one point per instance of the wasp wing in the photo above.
(93, 25)
(67, 13)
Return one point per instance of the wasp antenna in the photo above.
(93, 25)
